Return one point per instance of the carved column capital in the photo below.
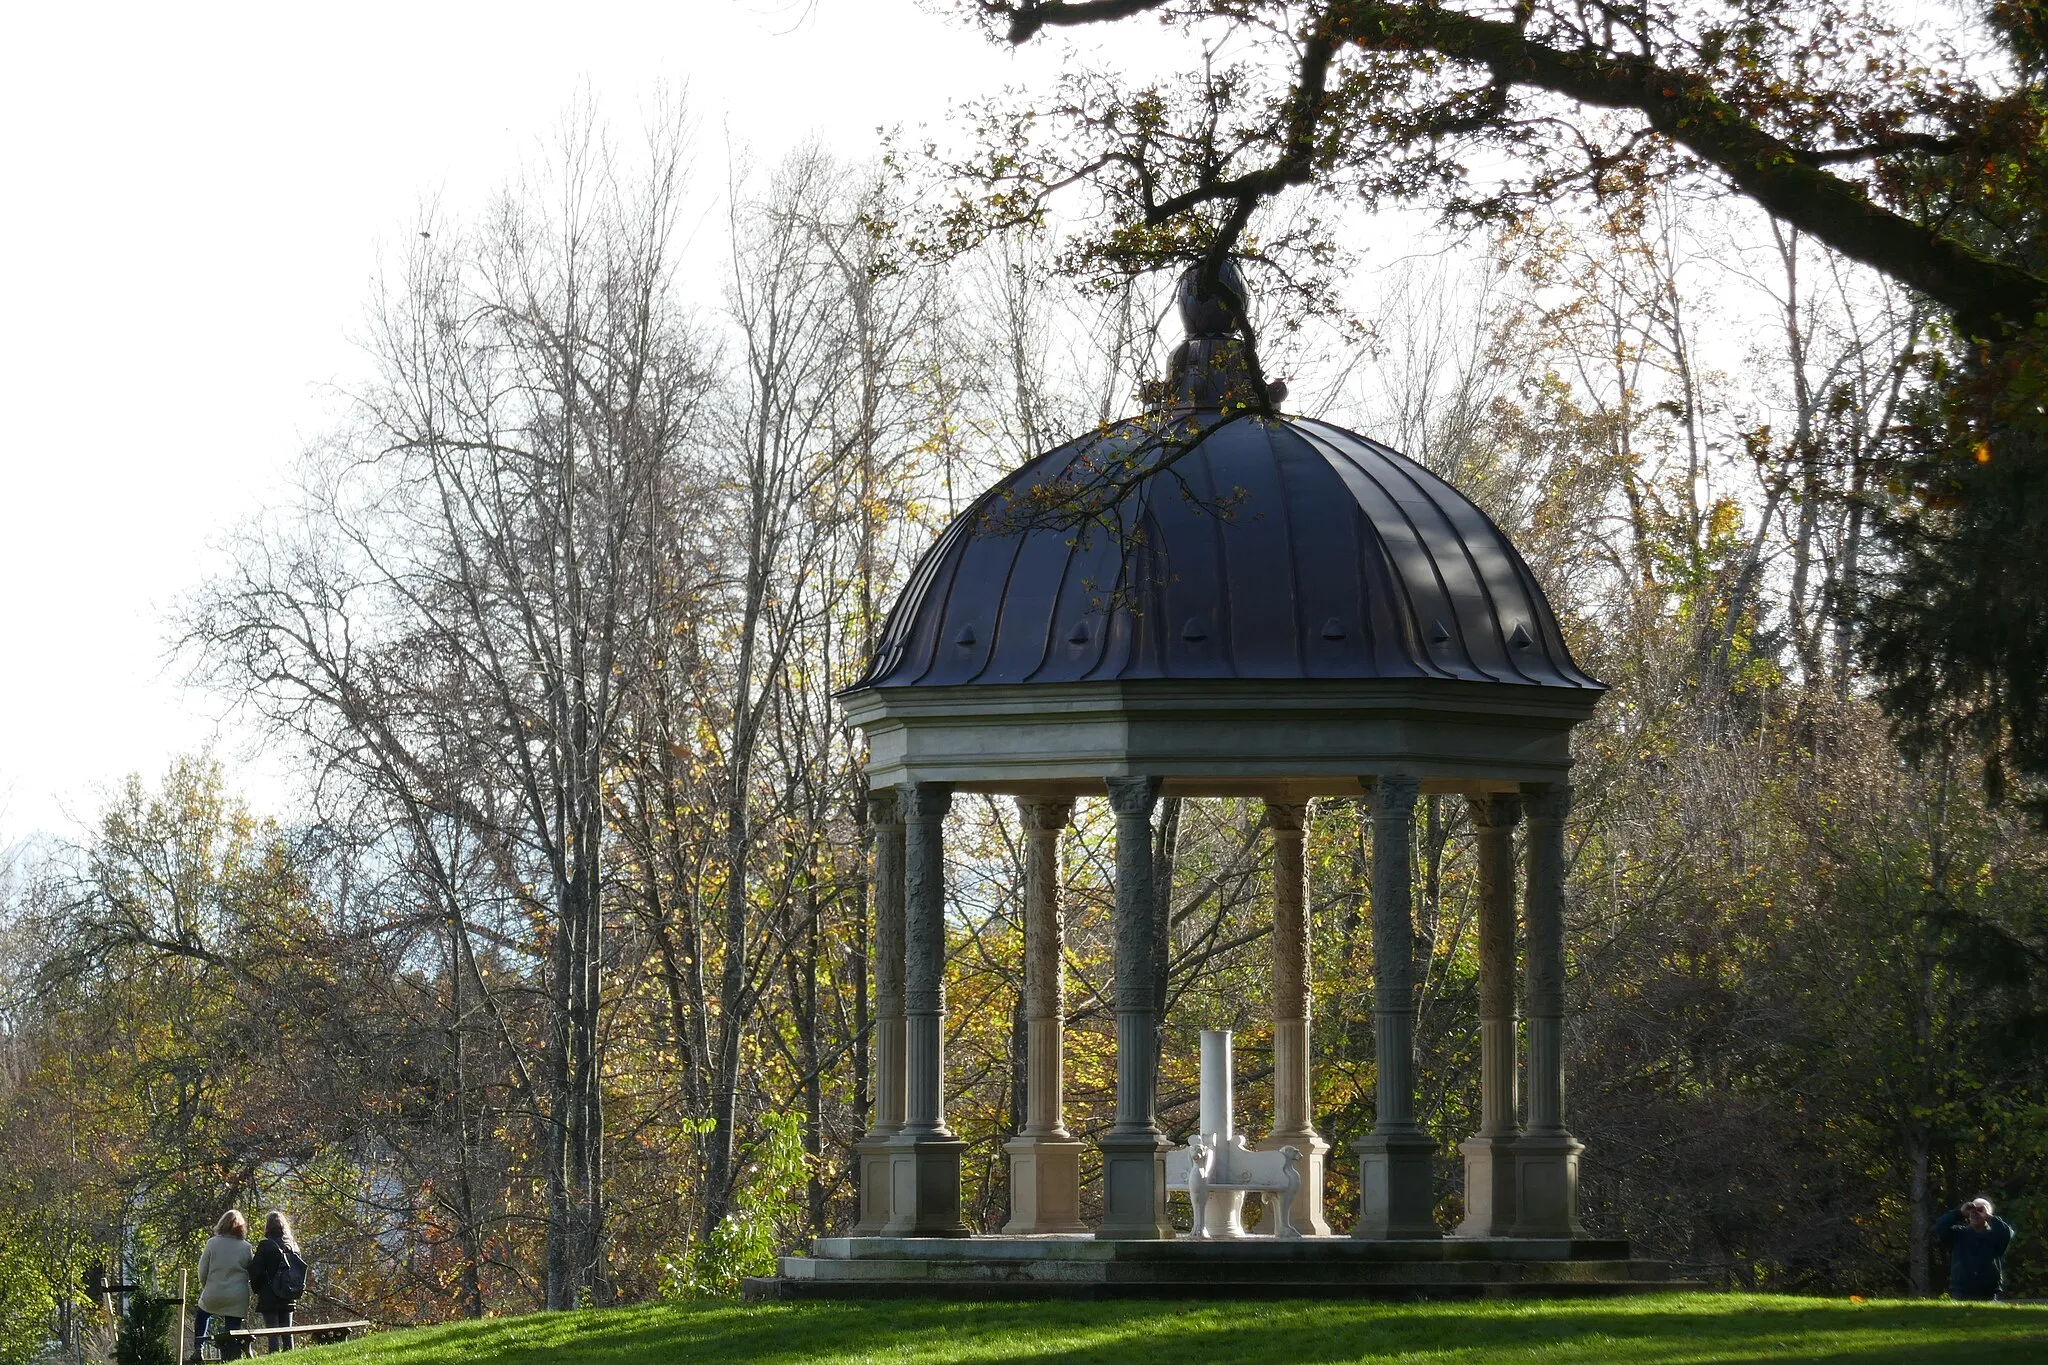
(1495, 811)
(924, 803)
(1548, 804)
(1041, 816)
(1287, 816)
(883, 809)
(1394, 794)
(1132, 798)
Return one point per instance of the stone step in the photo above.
(1243, 1271)
(1084, 1267)
(786, 1288)
(1086, 1248)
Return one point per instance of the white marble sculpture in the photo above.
(1217, 1170)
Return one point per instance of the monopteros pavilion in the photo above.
(1211, 600)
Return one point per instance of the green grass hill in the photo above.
(1675, 1329)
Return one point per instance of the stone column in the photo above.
(1045, 1161)
(1547, 1157)
(1293, 1121)
(925, 1189)
(876, 1159)
(1490, 1153)
(1396, 1187)
(1133, 1150)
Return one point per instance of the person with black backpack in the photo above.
(278, 1274)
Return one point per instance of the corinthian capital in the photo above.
(1132, 798)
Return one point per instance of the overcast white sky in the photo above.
(192, 199)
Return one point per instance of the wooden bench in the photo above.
(1230, 1166)
(319, 1331)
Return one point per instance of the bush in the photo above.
(743, 1244)
(146, 1331)
(27, 1298)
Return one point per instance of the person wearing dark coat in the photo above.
(1976, 1239)
(273, 1253)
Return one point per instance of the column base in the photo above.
(1547, 1186)
(1308, 1200)
(876, 1163)
(1134, 1187)
(924, 1187)
(1396, 1187)
(1045, 1186)
(1489, 1186)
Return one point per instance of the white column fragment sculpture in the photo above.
(1217, 1170)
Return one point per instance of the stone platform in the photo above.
(1082, 1267)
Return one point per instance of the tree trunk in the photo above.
(1920, 1219)
(1164, 844)
(813, 1060)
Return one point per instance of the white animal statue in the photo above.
(1217, 1170)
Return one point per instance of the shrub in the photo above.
(146, 1328)
(744, 1242)
(27, 1298)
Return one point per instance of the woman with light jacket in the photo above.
(224, 1281)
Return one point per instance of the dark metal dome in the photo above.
(1251, 548)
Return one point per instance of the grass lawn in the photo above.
(1671, 1328)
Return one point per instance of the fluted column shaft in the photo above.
(925, 1191)
(1393, 946)
(1133, 1160)
(1543, 913)
(1494, 819)
(1044, 967)
(1396, 1177)
(1293, 1121)
(924, 882)
(1490, 1153)
(1045, 1161)
(876, 1180)
(1546, 1156)
(1132, 798)
(1290, 969)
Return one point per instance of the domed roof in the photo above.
(1212, 540)
(1243, 547)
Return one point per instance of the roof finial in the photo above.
(1210, 368)
(1203, 314)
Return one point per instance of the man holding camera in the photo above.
(1976, 1239)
